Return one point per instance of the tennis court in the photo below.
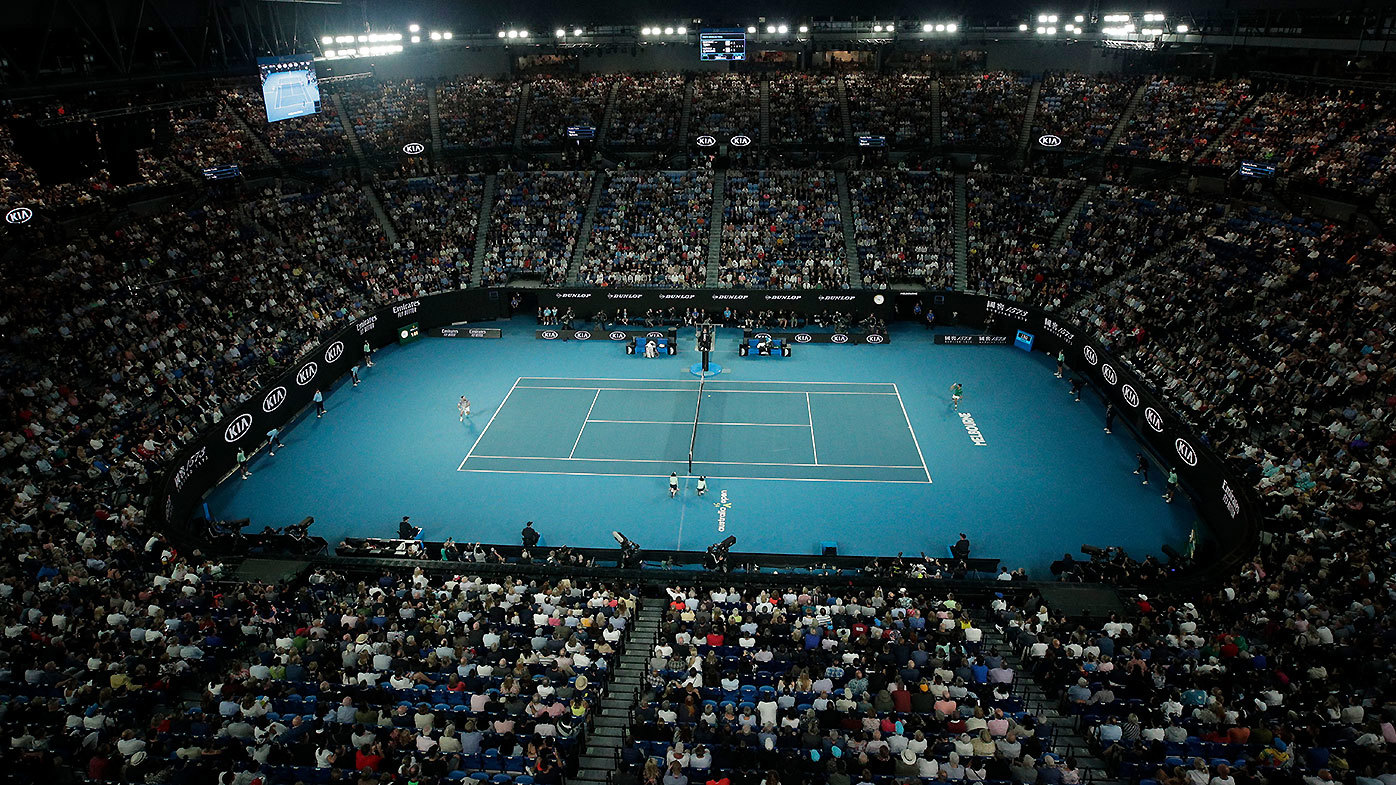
(288, 93)
(763, 430)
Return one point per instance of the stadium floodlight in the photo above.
(513, 33)
(1153, 16)
(926, 28)
(1041, 29)
(560, 33)
(1052, 18)
(1022, 28)
(877, 28)
(414, 28)
(1080, 19)
(644, 31)
(770, 29)
(363, 39)
(1042, 19)
(576, 31)
(416, 39)
(783, 29)
(446, 35)
(952, 27)
(751, 29)
(668, 31)
(1182, 28)
(436, 35)
(940, 28)
(1051, 31)
(501, 34)
(682, 30)
(804, 28)
(327, 40)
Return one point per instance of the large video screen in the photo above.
(289, 86)
(722, 44)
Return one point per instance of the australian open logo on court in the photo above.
(274, 399)
(875, 338)
(1049, 140)
(967, 420)
(582, 335)
(706, 140)
(19, 215)
(414, 148)
(1153, 418)
(1108, 371)
(1131, 396)
(741, 140)
(803, 338)
(334, 352)
(1088, 352)
(838, 338)
(617, 335)
(548, 335)
(723, 504)
(1186, 452)
(238, 428)
(306, 374)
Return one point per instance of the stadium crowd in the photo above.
(1178, 118)
(436, 219)
(899, 107)
(647, 111)
(533, 225)
(1081, 109)
(387, 114)
(983, 110)
(477, 112)
(1009, 222)
(805, 109)
(556, 103)
(1284, 129)
(726, 105)
(782, 230)
(650, 229)
(903, 227)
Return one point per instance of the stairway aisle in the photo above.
(850, 235)
(381, 212)
(482, 231)
(354, 145)
(579, 249)
(1230, 129)
(715, 228)
(686, 118)
(765, 113)
(961, 234)
(936, 140)
(1025, 134)
(610, 722)
(437, 148)
(1123, 122)
(1064, 225)
(521, 116)
(263, 151)
(844, 117)
(605, 129)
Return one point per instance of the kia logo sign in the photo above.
(741, 140)
(582, 335)
(1108, 371)
(1049, 140)
(274, 399)
(838, 338)
(414, 148)
(306, 374)
(238, 428)
(1130, 395)
(1186, 452)
(874, 338)
(1153, 418)
(803, 338)
(19, 215)
(1088, 352)
(548, 335)
(654, 334)
(766, 336)
(706, 141)
(334, 352)
(617, 336)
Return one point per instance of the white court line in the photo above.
(685, 381)
(497, 410)
(810, 411)
(705, 422)
(710, 477)
(691, 389)
(712, 463)
(914, 440)
(585, 420)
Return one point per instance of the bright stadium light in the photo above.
(1051, 31)
(804, 28)
(1022, 28)
(576, 31)
(560, 33)
(926, 28)
(327, 40)
(682, 30)
(940, 28)
(1182, 28)
(877, 28)
(751, 29)
(416, 39)
(414, 28)
(1052, 18)
(1080, 19)
(501, 34)
(952, 27)
(363, 39)
(436, 36)
(1042, 18)
(668, 31)
(513, 33)
(770, 29)
(783, 29)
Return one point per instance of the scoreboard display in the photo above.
(722, 44)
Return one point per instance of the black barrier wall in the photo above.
(203, 463)
(1225, 503)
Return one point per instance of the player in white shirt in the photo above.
(463, 407)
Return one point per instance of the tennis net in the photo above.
(697, 412)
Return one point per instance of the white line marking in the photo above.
(712, 463)
(691, 389)
(810, 411)
(710, 477)
(585, 420)
(683, 511)
(497, 410)
(914, 440)
(705, 422)
(684, 381)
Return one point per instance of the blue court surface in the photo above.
(288, 94)
(858, 445)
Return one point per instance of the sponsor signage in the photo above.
(1049, 141)
(306, 374)
(972, 340)
(873, 339)
(238, 428)
(274, 398)
(465, 332)
(414, 148)
(1185, 451)
(741, 140)
(707, 140)
(975, 435)
(1024, 340)
(554, 334)
(19, 215)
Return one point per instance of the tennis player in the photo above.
(463, 407)
(957, 391)
(702, 485)
(1143, 470)
(673, 484)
